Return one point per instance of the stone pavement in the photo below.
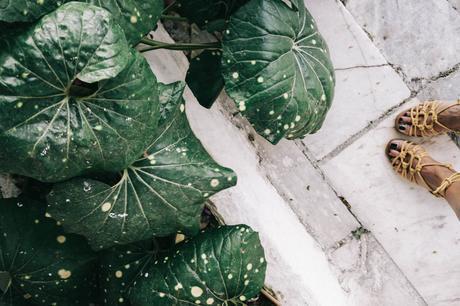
(306, 197)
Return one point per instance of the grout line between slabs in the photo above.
(372, 124)
(342, 242)
(317, 167)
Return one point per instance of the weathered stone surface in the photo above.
(363, 95)
(420, 37)
(419, 231)
(446, 88)
(455, 4)
(348, 43)
(370, 276)
(366, 84)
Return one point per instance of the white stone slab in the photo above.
(370, 275)
(298, 269)
(362, 96)
(421, 37)
(455, 4)
(420, 232)
(447, 88)
(368, 91)
(348, 43)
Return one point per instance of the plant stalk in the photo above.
(174, 18)
(154, 45)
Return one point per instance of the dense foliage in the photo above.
(84, 121)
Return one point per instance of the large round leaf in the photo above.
(26, 10)
(223, 266)
(39, 263)
(161, 193)
(277, 69)
(121, 266)
(49, 133)
(136, 17)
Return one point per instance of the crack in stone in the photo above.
(362, 67)
(326, 180)
(372, 124)
(446, 73)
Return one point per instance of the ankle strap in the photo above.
(446, 183)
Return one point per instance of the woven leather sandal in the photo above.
(409, 165)
(425, 119)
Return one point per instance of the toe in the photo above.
(405, 119)
(394, 148)
(394, 153)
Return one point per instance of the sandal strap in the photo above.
(429, 109)
(410, 161)
(446, 183)
(412, 168)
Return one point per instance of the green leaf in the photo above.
(136, 17)
(204, 77)
(40, 264)
(121, 266)
(11, 29)
(54, 134)
(26, 10)
(204, 12)
(223, 266)
(161, 193)
(277, 68)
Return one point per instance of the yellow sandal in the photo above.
(421, 115)
(409, 165)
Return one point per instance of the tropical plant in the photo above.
(85, 123)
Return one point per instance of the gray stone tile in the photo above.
(363, 95)
(445, 88)
(421, 37)
(369, 273)
(348, 43)
(366, 84)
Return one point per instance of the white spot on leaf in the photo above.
(196, 291)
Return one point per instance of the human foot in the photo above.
(411, 161)
(429, 119)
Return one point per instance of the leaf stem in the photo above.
(174, 18)
(170, 7)
(154, 45)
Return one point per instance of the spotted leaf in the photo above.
(82, 100)
(277, 69)
(161, 193)
(136, 17)
(121, 266)
(39, 263)
(26, 10)
(223, 266)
